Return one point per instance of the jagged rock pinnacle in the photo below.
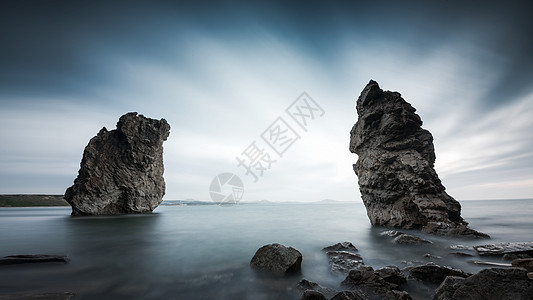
(397, 179)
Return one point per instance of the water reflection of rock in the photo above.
(113, 256)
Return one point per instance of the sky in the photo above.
(223, 73)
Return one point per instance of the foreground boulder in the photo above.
(495, 283)
(277, 259)
(121, 170)
(397, 179)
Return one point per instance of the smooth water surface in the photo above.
(203, 252)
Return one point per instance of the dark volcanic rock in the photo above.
(392, 274)
(515, 256)
(305, 285)
(41, 296)
(344, 246)
(367, 280)
(505, 248)
(33, 258)
(121, 170)
(404, 238)
(436, 274)
(312, 295)
(343, 261)
(526, 263)
(277, 259)
(350, 295)
(397, 179)
(408, 239)
(488, 284)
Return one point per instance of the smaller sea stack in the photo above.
(121, 171)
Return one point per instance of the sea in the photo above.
(204, 251)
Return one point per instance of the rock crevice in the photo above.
(398, 183)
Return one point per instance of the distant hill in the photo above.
(32, 200)
(185, 202)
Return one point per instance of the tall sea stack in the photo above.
(121, 171)
(397, 179)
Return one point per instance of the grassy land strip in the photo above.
(32, 200)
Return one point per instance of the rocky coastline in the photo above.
(509, 281)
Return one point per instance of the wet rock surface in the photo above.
(505, 248)
(434, 273)
(121, 171)
(391, 274)
(344, 246)
(343, 261)
(526, 263)
(408, 239)
(398, 183)
(305, 285)
(404, 238)
(312, 295)
(430, 280)
(374, 286)
(350, 295)
(494, 283)
(277, 259)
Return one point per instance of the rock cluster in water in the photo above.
(121, 170)
(397, 179)
(424, 281)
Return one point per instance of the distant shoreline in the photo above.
(31, 200)
(43, 200)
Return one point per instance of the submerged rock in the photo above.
(505, 248)
(404, 238)
(39, 296)
(344, 246)
(434, 273)
(33, 258)
(495, 283)
(277, 259)
(408, 239)
(305, 285)
(121, 170)
(397, 179)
